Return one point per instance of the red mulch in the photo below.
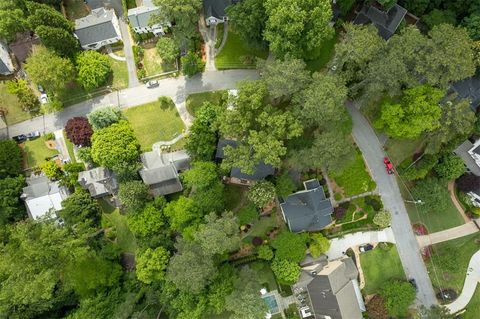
(420, 229)
(426, 253)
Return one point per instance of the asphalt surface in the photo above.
(177, 88)
(407, 244)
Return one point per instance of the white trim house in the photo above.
(140, 20)
(98, 29)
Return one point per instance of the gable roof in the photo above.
(386, 22)
(307, 210)
(42, 196)
(140, 17)
(261, 171)
(96, 27)
(98, 181)
(216, 8)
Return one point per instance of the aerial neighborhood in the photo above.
(239, 159)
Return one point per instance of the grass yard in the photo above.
(75, 9)
(235, 197)
(354, 179)
(105, 206)
(125, 239)
(120, 73)
(11, 105)
(196, 100)
(154, 122)
(399, 150)
(153, 64)
(69, 144)
(473, 306)
(325, 52)
(36, 151)
(379, 266)
(448, 265)
(262, 226)
(220, 29)
(264, 274)
(236, 54)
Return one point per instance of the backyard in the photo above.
(379, 266)
(11, 106)
(236, 54)
(235, 197)
(154, 122)
(196, 100)
(124, 238)
(36, 151)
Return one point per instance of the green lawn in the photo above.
(354, 179)
(399, 150)
(264, 274)
(71, 153)
(235, 197)
(154, 122)
(473, 306)
(261, 226)
(153, 64)
(236, 54)
(11, 105)
(125, 238)
(105, 206)
(120, 73)
(218, 40)
(75, 9)
(325, 52)
(36, 151)
(448, 265)
(379, 266)
(196, 100)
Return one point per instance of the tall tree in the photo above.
(101, 118)
(93, 69)
(12, 19)
(248, 20)
(133, 195)
(218, 235)
(182, 213)
(202, 138)
(44, 15)
(298, 27)
(11, 208)
(167, 49)
(25, 95)
(80, 207)
(450, 167)
(398, 297)
(290, 246)
(433, 193)
(261, 193)
(318, 244)
(79, 131)
(58, 40)
(286, 272)
(10, 159)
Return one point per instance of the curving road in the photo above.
(407, 244)
(177, 88)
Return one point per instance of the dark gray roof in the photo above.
(99, 181)
(167, 187)
(158, 174)
(261, 171)
(462, 152)
(216, 8)
(386, 22)
(140, 17)
(307, 210)
(469, 89)
(96, 27)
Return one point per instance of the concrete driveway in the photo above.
(407, 245)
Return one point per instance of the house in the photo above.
(214, 10)
(467, 89)
(43, 196)
(329, 289)
(261, 170)
(307, 210)
(6, 63)
(140, 17)
(470, 154)
(98, 29)
(160, 171)
(386, 21)
(99, 182)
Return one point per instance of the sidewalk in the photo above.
(448, 234)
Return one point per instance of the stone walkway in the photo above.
(158, 145)
(447, 234)
(114, 56)
(357, 196)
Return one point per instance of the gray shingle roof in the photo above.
(98, 181)
(5, 60)
(96, 27)
(216, 8)
(307, 210)
(462, 152)
(140, 17)
(386, 22)
(469, 89)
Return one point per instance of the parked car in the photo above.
(152, 84)
(388, 165)
(365, 247)
(33, 135)
(413, 283)
(20, 138)
(40, 89)
(43, 98)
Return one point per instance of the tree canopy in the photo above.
(248, 19)
(152, 264)
(290, 246)
(101, 118)
(93, 69)
(79, 131)
(10, 159)
(398, 296)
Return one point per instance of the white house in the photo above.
(98, 29)
(43, 197)
(140, 19)
(214, 10)
(6, 64)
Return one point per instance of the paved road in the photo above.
(176, 88)
(448, 234)
(473, 277)
(407, 245)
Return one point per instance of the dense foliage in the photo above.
(93, 69)
(79, 131)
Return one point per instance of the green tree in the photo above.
(104, 117)
(290, 246)
(286, 272)
(151, 265)
(201, 176)
(12, 19)
(58, 40)
(436, 17)
(191, 64)
(383, 218)
(79, 207)
(49, 70)
(284, 185)
(25, 95)
(472, 24)
(182, 213)
(148, 222)
(218, 235)
(93, 69)
(44, 15)
(190, 269)
(319, 244)
(418, 112)
(433, 193)
(450, 167)
(265, 252)
(52, 170)
(248, 19)
(10, 159)
(11, 208)
(261, 193)
(116, 147)
(167, 49)
(202, 137)
(398, 297)
(284, 77)
(133, 195)
(70, 176)
(298, 27)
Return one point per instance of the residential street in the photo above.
(407, 244)
(176, 88)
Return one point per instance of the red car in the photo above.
(388, 165)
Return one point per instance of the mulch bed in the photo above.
(420, 229)
(426, 253)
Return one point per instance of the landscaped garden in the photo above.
(37, 151)
(11, 107)
(196, 100)
(236, 54)
(379, 266)
(154, 122)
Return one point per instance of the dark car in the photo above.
(20, 138)
(413, 283)
(365, 247)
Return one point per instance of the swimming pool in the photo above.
(272, 304)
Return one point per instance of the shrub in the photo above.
(383, 219)
(191, 64)
(79, 131)
(284, 185)
(265, 252)
(398, 296)
(49, 136)
(104, 117)
(374, 202)
(261, 193)
(339, 212)
(257, 241)
(167, 49)
(450, 167)
(247, 214)
(93, 69)
(52, 170)
(287, 272)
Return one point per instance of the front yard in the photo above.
(153, 64)
(36, 152)
(236, 54)
(196, 100)
(379, 266)
(154, 122)
(11, 106)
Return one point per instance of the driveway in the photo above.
(407, 244)
(209, 35)
(127, 48)
(177, 88)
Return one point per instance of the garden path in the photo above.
(114, 56)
